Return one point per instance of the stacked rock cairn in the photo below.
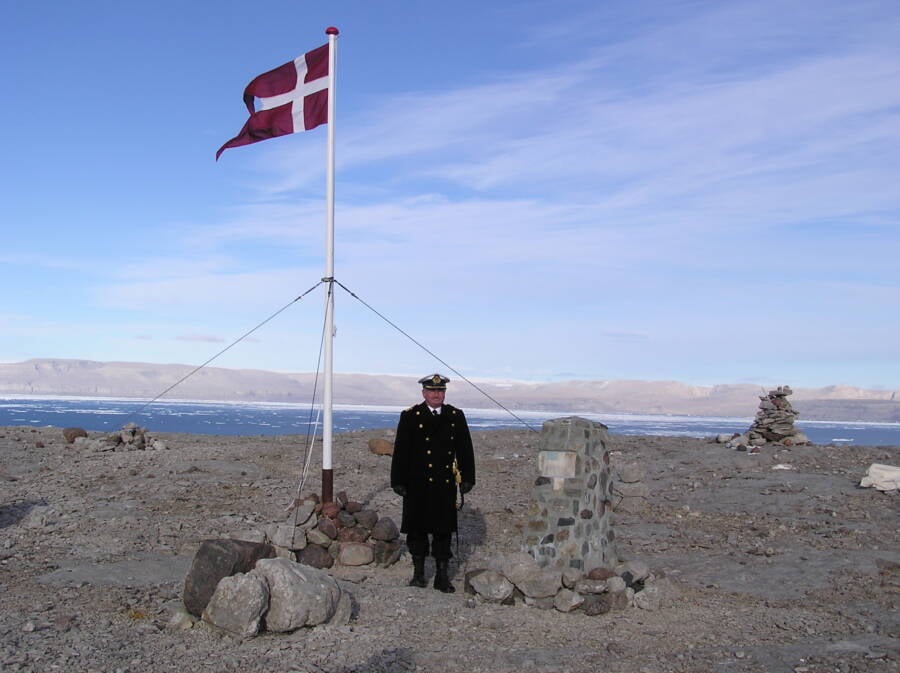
(344, 532)
(774, 423)
(130, 438)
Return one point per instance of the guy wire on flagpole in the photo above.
(227, 348)
(328, 387)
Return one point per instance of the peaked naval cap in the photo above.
(434, 382)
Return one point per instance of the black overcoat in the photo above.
(424, 450)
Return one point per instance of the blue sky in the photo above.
(698, 191)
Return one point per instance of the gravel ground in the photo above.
(776, 561)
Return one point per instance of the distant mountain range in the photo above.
(85, 378)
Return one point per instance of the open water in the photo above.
(244, 418)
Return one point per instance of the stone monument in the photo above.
(570, 516)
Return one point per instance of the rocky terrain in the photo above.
(769, 561)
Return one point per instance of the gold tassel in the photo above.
(457, 476)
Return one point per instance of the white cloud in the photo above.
(670, 187)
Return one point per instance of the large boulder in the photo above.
(214, 560)
(299, 595)
(238, 605)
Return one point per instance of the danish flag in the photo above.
(292, 98)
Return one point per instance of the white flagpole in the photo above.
(328, 395)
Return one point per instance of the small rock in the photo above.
(315, 556)
(490, 585)
(567, 600)
(386, 552)
(589, 586)
(648, 598)
(385, 529)
(596, 604)
(601, 574)
(381, 447)
(327, 526)
(71, 434)
(355, 554)
(181, 620)
(353, 534)
(366, 518)
(331, 509)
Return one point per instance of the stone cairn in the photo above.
(130, 438)
(774, 423)
(569, 561)
(343, 532)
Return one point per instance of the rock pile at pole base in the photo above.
(343, 532)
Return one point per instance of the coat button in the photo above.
(430, 478)
(430, 465)
(421, 426)
(428, 452)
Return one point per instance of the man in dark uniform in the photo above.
(433, 445)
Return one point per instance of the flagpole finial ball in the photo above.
(331, 30)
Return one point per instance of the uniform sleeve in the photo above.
(465, 455)
(400, 459)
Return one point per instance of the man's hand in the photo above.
(465, 487)
(400, 490)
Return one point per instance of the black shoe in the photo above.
(441, 581)
(418, 578)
